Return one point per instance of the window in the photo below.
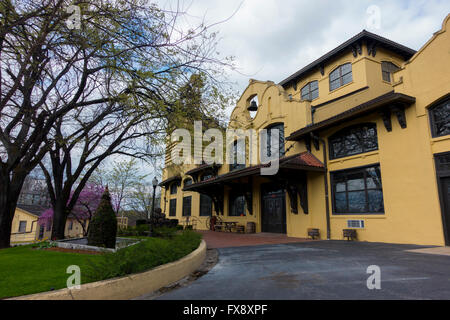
(70, 225)
(341, 76)
(386, 69)
(353, 140)
(238, 154)
(236, 205)
(207, 175)
(22, 226)
(205, 205)
(440, 118)
(270, 130)
(187, 182)
(357, 191)
(310, 91)
(187, 201)
(173, 188)
(173, 207)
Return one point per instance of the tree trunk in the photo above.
(9, 195)
(59, 220)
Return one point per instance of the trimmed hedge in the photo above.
(103, 226)
(143, 256)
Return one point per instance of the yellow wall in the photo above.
(31, 227)
(411, 201)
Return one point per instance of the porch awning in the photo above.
(390, 101)
(304, 161)
(166, 182)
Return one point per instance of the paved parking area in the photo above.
(216, 239)
(321, 270)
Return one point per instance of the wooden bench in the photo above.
(313, 232)
(350, 234)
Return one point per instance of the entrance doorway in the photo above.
(442, 162)
(273, 208)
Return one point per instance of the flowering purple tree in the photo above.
(84, 209)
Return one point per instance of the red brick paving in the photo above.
(216, 239)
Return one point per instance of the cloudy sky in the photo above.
(271, 39)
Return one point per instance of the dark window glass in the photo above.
(310, 91)
(22, 226)
(205, 205)
(70, 225)
(440, 118)
(187, 182)
(207, 175)
(236, 205)
(187, 201)
(353, 140)
(280, 128)
(238, 152)
(386, 69)
(357, 191)
(173, 207)
(173, 188)
(341, 76)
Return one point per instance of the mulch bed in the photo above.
(73, 250)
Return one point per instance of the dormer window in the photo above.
(386, 69)
(341, 76)
(310, 91)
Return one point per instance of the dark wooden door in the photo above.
(445, 202)
(442, 162)
(273, 209)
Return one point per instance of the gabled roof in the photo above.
(364, 35)
(33, 209)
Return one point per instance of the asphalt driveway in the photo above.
(320, 270)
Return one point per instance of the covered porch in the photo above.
(246, 196)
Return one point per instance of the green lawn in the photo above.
(24, 270)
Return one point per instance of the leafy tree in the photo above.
(83, 94)
(87, 203)
(103, 226)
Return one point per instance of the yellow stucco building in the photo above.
(365, 146)
(27, 228)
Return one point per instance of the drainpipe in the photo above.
(325, 180)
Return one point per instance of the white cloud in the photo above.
(273, 39)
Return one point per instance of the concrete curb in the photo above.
(131, 286)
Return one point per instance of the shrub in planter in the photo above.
(103, 226)
(164, 232)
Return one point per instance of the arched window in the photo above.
(270, 130)
(173, 188)
(341, 76)
(440, 118)
(310, 91)
(236, 206)
(353, 140)
(238, 154)
(187, 182)
(387, 68)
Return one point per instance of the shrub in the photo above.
(164, 232)
(103, 226)
(143, 256)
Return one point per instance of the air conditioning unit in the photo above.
(356, 224)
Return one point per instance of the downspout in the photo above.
(325, 180)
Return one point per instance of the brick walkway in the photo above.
(228, 239)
